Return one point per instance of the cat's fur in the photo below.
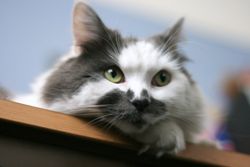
(173, 114)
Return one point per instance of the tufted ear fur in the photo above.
(87, 26)
(169, 40)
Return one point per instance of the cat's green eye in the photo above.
(162, 78)
(114, 74)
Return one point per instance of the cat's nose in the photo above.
(140, 104)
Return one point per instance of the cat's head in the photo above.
(134, 83)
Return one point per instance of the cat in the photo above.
(140, 87)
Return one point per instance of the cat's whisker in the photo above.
(99, 119)
(115, 120)
(111, 123)
(97, 122)
(84, 114)
(122, 115)
(90, 108)
(83, 110)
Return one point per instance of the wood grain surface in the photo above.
(58, 122)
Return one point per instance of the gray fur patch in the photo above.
(89, 66)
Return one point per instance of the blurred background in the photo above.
(33, 34)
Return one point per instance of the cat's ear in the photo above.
(87, 26)
(174, 35)
(169, 40)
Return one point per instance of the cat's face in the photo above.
(133, 83)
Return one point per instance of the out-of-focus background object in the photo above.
(35, 33)
(237, 122)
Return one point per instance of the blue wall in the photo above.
(34, 33)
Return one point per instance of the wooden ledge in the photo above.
(65, 124)
(58, 122)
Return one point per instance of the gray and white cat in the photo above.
(141, 87)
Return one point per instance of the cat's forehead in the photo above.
(145, 55)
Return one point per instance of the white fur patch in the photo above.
(140, 62)
(144, 55)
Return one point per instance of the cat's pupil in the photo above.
(163, 77)
(112, 72)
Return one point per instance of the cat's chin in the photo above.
(131, 128)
